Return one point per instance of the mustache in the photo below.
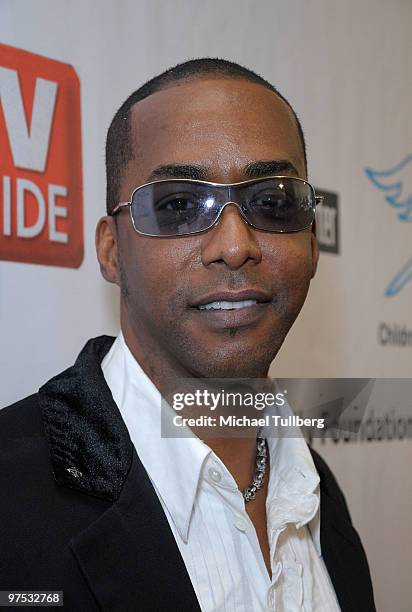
(228, 280)
(234, 280)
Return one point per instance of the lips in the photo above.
(227, 305)
(231, 309)
(231, 300)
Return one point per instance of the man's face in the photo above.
(223, 127)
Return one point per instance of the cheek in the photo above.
(290, 258)
(156, 272)
(289, 266)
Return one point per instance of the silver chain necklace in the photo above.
(257, 483)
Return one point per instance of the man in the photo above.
(95, 501)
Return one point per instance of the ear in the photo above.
(107, 249)
(315, 249)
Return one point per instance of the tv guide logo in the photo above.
(41, 195)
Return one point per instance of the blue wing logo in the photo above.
(395, 184)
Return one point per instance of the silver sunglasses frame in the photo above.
(122, 205)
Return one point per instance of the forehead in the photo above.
(220, 124)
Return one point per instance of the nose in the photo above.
(231, 241)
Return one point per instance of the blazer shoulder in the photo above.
(22, 436)
(21, 418)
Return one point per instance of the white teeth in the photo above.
(225, 305)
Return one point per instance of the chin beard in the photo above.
(226, 364)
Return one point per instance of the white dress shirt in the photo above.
(206, 510)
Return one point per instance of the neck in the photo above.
(237, 453)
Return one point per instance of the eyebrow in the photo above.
(190, 171)
(272, 167)
(254, 169)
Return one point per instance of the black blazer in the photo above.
(78, 512)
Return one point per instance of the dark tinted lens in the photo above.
(281, 205)
(172, 208)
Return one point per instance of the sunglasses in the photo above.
(178, 207)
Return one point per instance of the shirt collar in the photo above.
(139, 403)
(293, 492)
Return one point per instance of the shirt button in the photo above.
(240, 523)
(215, 475)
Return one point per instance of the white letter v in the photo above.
(29, 146)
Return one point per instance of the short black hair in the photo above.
(119, 146)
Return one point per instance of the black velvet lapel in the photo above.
(90, 447)
(128, 556)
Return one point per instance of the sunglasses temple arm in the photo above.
(119, 207)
